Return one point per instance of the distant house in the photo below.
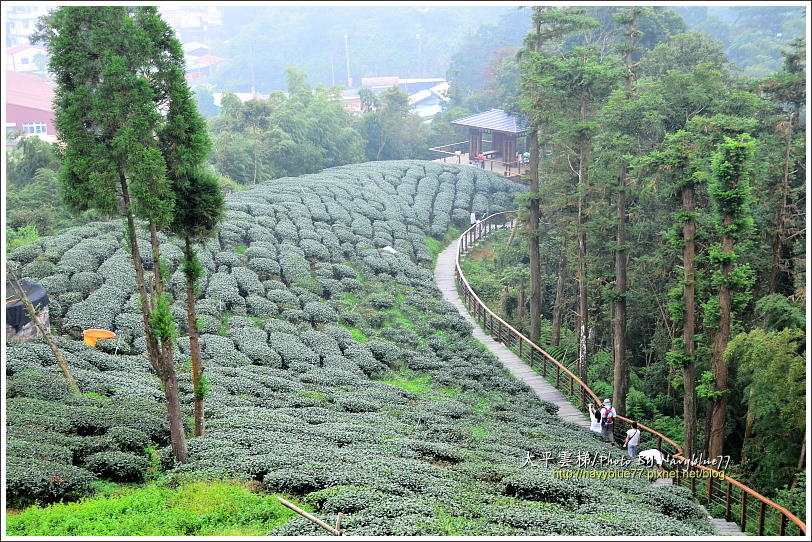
(195, 49)
(379, 82)
(242, 96)
(429, 102)
(21, 58)
(191, 22)
(426, 95)
(202, 66)
(29, 105)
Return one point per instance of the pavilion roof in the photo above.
(494, 120)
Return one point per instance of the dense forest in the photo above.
(667, 205)
(659, 252)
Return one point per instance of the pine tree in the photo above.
(729, 189)
(122, 116)
(200, 207)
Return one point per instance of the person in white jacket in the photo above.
(594, 419)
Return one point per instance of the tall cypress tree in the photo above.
(729, 189)
(550, 25)
(199, 210)
(119, 112)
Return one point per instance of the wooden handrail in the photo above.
(476, 232)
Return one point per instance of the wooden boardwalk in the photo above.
(444, 278)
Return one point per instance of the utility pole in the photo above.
(347, 52)
(253, 78)
(419, 56)
(332, 68)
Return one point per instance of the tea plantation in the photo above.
(336, 373)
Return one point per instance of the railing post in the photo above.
(660, 443)
(571, 385)
(520, 352)
(710, 490)
(728, 497)
(743, 515)
(557, 376)
(782, 525)
(761, 510)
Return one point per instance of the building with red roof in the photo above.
(29, 105)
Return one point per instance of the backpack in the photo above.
(608, 417)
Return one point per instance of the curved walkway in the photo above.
(444, 278)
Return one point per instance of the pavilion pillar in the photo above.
(475, 142)
(499, 143)
(509, 154)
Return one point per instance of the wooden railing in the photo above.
(721, 494)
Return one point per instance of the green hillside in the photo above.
(336, 375)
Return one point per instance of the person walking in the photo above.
(594, 419)
(632, 439)
(473, 218)
(608, 414)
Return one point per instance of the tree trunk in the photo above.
(160, 358)
(533, 239)
(176, 431)
(720, 339)
(558, 307)
(706, 439)
(620, 373)
(156, 262)
(689, 322)
(620, 367)
(748, 425)
(780, 218)
(520, 316)
(583, 306)
(138, 264)
(801, 462)
(194, 344)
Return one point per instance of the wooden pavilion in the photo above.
(504, 128)
(501, 157)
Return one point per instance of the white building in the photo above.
(21, 22)
(22, 58)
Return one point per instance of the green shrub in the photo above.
(118, 466)
(30, 481)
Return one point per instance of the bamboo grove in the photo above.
(664, 232)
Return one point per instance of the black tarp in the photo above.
(16, 315)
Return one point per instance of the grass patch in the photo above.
(417, 383)
(357, 334)
(479, 433)
(451, 392)
(259, 322)
(224, 320)
(194, 509)
(435, 247)
(240, 249)
(484, 402)
(315, 395)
